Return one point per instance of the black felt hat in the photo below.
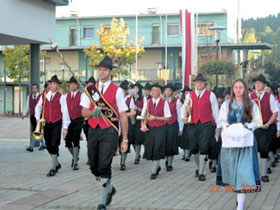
(124, 85)
(55, 79)
(138, 84)
(73, 80)
(171, 86)
(156, 85)
(106, 62)
(199, 77)
(186, 88)
(227, 90)
(91, 80)
(260, 78)
(147, 86)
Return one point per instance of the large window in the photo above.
(203, 29)
(155, 35)
(88, 32)
(173, 29)
(73, 36)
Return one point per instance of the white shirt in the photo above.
(26, 108)
(63, 105)
(272, 101)
(254, 124)
(213, 101)
(85, 102)
(131, 104)
(166, 110)
(178, 108)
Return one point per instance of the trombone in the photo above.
(38, 132)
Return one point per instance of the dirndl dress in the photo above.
(239, 167)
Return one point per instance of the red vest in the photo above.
(53, 109)
(140, 105)
(110, 96)
(33, 103)
(278, 98)
(73, 105)
(173, 111)
(128, 100)
(201, 109)
(265, 106)
(157, 111)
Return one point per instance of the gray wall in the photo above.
(26, 21)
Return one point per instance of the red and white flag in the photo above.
(189, 47)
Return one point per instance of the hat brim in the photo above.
(57, 81)
(199, 79)
(109, 67)
(260, 80)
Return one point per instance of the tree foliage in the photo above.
(114, 43)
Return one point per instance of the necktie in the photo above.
(259, 96)
(51, 97)
(155, 104)
(72, 96)
(199, 95)
(34, 97)
(102, 88)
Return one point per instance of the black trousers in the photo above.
(215, 146)
(265, 139)
(200, 135)
(101, 149)
(74, 132)
(33, 122)
(85, 128)
(52, 134)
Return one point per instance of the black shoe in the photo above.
(159, 168)
(265, 178)
(51, 173)
(169, 168)
(136, 161)
(42, 147)
(201, 177)
(196, 173)
(187, 159)
(57, 168)
(213, 169)
(72, 164)
(153, 176)
(166, 164)
(122, 168)
(101, 207)
(268, 171)
(75, 167)
(210, 165)
(110, 196)
(273, 164)
(29, 149)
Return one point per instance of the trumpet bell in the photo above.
(37, 136)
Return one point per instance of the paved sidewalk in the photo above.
(24, 185)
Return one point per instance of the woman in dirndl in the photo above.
(238, 167)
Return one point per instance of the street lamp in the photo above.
(217, 30)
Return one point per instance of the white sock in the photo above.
(240, 200)
(202, 164)
(186, 153)
(196, 159)
(76, 154)
(214, 163)
(54, 161)
(155, 166)
(264, 165)
(137, 149)
(170, 160)
(103, 197)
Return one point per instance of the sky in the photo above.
(248, 8)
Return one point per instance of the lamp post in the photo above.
(217, 30)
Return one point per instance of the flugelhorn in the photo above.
(260, 110)
(38, 132)
(188, 109)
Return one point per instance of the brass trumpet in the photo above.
(38, 132)
(188, 109)
(260, 110)
(144, 127)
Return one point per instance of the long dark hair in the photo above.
(247, 104)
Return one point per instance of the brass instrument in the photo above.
(133, 117)
(260, 110)
(38, 132)
(145, 120)
(188, 109)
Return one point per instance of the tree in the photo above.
(114, 43)
(18, 64)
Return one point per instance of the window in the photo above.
(88, 32)
(173, 29)
(72, 36)
(203, 29)
(155, 34)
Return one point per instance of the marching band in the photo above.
(161, 119)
